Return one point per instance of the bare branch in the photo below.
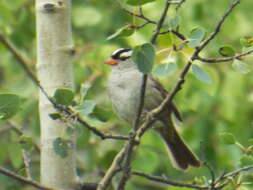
(180, 4)
(218, 26)
(24, 180)
(27, 162)
(225, 59)
(22, 61)
(175, 32)
(113, 170)
(233, 173)
(17, 129)
(213, 186)
(166, 181)
(160, 22)
(139, 15)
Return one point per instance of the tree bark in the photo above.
(54, 68)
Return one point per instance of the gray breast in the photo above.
(124, 90)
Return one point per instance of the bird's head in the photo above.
(119, 56)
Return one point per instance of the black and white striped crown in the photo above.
(122, 54)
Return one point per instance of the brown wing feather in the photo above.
(172, 107)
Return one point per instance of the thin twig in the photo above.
(27, 162)
(180, 4)
(166, 181)
(233, 173)
(139, 15)
(112, 171)
(212, 186)
(22, 61)
(225, 59)
(211, 171)
(175, 32)
(17, 129)
(218, 26)
(24, 180)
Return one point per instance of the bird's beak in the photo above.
(112, 62)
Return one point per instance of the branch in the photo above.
(187, 67)
(225, 59)
(175, 32)
(68, 112)
(218, 26)
(180, 4)
(73, 114)
(24, 180)
(139, 15)
(13, 126)
(113, 170)
(232, 174)
(153, 113)
(89, 186)
(27, 162)
(160, 22)
(20, 59)
(131, 143)
(166, 181)
(213, 185)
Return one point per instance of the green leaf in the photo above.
(60, 147)
(70, 130)
(84, 90)
(106, 160)
(63, 96)
(228, 138)
(93, 121)
(26, 142)
(246, 41)
(76, 129)
(250, 141)
(55, 115)
(174, 22)
(240, 66)
(227, 51)
(196, 36)
(138, 2)
(201, 74)
(15, 154)
(102, 114)
(246, 160)
(165, 70)
(9, 105)
(122, 32)
(86, 107)
(144, 57)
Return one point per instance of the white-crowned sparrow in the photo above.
(124, 91)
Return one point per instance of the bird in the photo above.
(124, 87)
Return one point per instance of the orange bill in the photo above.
(111, 62)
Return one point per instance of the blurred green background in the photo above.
(209, 110)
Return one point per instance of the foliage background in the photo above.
(225, 105)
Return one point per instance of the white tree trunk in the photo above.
(54, 68)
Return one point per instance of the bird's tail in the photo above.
(182, 157)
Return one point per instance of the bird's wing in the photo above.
(172, 107)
